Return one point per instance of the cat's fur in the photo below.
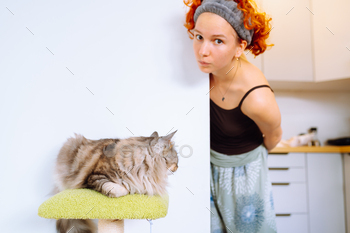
(113, 167)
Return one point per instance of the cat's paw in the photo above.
(114, 190)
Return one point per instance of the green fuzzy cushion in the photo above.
(90, 204)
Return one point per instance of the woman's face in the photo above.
(208, 47)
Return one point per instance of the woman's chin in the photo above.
(204, 69)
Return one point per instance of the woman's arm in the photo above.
(261, 106)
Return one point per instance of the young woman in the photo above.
(244, 116)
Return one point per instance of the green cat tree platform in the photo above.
(90, 204)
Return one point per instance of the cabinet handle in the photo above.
(280, 183)
(279, 215)
(279, 153)
(278, 168)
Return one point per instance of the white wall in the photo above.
(101, 69)
(328, 111)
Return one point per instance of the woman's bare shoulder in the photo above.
(259, 98)
(254, 77)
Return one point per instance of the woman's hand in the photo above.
(261, 106)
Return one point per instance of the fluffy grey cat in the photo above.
(113, 167)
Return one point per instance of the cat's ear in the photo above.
(155, 134)
(109, 150)
(158, 142)
(154, 141)
(168, 137)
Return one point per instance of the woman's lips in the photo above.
(203, 63)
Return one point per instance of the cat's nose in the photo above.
(174, 168)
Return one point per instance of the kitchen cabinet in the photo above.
(311, 43)
(326, 192)
(331, 39)
(290, 59)
(346, 166)
(287, 173)
(308, 192)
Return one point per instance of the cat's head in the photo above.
(164, 148)
(160, 149)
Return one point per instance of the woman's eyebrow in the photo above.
(218, 35)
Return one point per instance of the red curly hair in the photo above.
(260, 23)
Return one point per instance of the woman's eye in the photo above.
(219, 40)
(197, 36)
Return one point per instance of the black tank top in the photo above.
(231, 131)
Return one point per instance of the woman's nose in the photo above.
(204, 50)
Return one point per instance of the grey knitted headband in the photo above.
(229, 11)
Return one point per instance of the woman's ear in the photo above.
(241, 48)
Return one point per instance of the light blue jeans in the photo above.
(241, 197)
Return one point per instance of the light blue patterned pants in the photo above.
(241, 197)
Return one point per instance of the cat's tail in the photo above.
(76, 226)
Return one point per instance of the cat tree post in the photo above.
(107, 225)
(110, 212)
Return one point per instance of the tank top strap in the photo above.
(240, 103)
